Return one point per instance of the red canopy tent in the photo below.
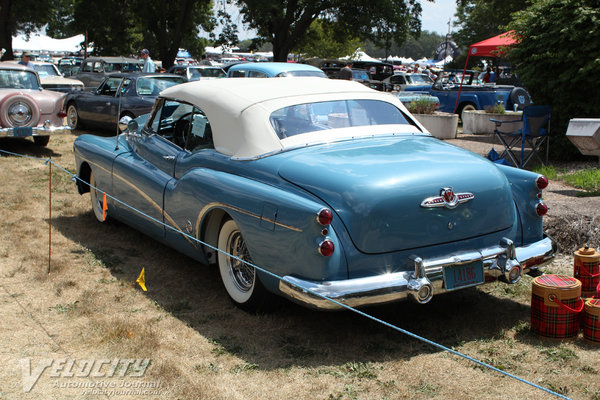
(492, 47)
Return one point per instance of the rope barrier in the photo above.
(75, 178)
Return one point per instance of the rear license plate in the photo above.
(22, 131)
(459, 276)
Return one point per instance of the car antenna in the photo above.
(119, 112)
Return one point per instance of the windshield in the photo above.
(310, 117)
(45, 70)
(420, 79)
(319, 74)
(122, 67)
(197, 73)
(16, 79)
(153, 85)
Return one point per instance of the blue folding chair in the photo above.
(535, 132)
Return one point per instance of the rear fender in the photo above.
(525, 192)
(279, 227)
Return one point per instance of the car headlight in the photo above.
(19, 113)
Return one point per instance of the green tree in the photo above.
(285, 23)
(415, 48)
(168, 25)
(481, 19)
(21, 16)
(558, 60)
(124, 27)
(109, 25)
(325, 39)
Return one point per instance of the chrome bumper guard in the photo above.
(25, 131)
(504, 261)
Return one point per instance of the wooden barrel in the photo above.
(591, 320)
(586, 268)
(556, 306)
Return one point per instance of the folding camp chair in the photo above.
(535, 132)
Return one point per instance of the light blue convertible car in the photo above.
(328, 184)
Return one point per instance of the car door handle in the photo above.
(108, 103)
(169, 158)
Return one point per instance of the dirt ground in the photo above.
(88, 310)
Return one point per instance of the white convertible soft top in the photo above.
(239, 109)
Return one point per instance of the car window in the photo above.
(172, 120)
(310, 117)
(360, 76)
(240, 73)
(17, 79)
(197, 73)
(256, 74)
(109, 87)
(98, 67)
(199, 134)
(397, 79)
(45, 70)
(152, 86)
(87, 66)
(318, 74)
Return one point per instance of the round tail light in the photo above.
(541, 209)
(325, 216)
(326, 248)
(541, 182)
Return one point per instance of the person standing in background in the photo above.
(149, 65)
(26, 60)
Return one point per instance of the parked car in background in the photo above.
(52, 79)
(197, 72)
(409, 97)
(273, 70)
(405, 82)
(473, 94)
(101, 109)
(326, 183)
(26, 109)
(69, 66)
(93, 70)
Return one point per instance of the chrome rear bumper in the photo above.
(26, 131)
(504, 261)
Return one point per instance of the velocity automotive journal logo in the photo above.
(96, 372)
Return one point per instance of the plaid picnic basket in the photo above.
(586, 268)
(556, 306)
(591, 320)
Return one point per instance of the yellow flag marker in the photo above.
(104, 206)
(142, 280)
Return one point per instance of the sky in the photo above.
(434, 17)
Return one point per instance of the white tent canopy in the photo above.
(41, 42)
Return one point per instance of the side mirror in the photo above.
(128, 124)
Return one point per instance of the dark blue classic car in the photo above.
(99, 108)
(474, 95)
(330, 185)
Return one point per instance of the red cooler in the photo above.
(591, 320)
(586, 268)
(556, 306)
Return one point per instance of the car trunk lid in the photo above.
(377, 187)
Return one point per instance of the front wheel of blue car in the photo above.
(239, 278)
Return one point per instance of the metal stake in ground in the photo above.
(50, 213)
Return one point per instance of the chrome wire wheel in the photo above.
(240, 279)
(241, 273)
